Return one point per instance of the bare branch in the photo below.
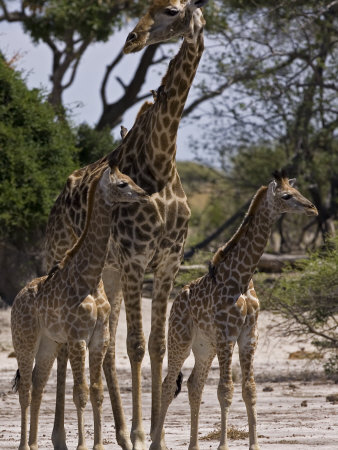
(109, 69)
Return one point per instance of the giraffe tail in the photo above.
(16, 381)
(179, 382)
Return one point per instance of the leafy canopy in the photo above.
(37, 153)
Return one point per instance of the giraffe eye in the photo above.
(122, 184)
(171, 11)
(286, 196)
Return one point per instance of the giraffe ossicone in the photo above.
(221, 308)
(69, 306)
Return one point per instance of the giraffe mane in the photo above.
(90, 204)
(223, 251)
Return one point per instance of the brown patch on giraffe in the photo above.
(174, 107)
(173, 126)
(182, 87)
(164, 140)
(166, 121)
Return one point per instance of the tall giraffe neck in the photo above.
(87, 257)
(149, 149)
(236, 262)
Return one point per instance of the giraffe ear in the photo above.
(105, 177)
(115, 157)
(292, 182)
(273, 187)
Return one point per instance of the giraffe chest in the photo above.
(150, 229)
(214, 315)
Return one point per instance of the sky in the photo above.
(83, 96)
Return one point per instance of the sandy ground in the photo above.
(283, 423)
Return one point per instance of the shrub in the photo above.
(37, 153)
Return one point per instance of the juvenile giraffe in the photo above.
(70, 306)
(143, 237)
(221, 308)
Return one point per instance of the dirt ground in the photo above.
(291, 399)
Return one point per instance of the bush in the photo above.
(93, 144)
(37, 153)
(308, 298)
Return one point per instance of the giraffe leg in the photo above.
(77, 356)
(196, 383)
(176, 357)
(132, 289)
(225, 387)
(59, 433)
(179, 345)
(163, 281)
(25, 336)
(112, 286)
(247, 343)
(44, 360)
(25, 357)
(97, 350)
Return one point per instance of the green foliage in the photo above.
(210, 197)
(308, 297)
(253, 166)
(331, 368)
(36, 154)
(95, 20)
(93, 144)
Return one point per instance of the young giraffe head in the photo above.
(120, 188)
(287, 199)
(164, 20)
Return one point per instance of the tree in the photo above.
(37, 153)
(68, 28)
(272, 74)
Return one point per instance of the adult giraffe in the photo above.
(142, 238)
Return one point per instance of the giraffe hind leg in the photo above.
(204, 354)
(247, 343)
(44, 360)
(179, 346)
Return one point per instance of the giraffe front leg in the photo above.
(132, 291)
(77, 356)
(97, 350)
(225, 387)
(59, 433)
(247, 343)
(112, 287)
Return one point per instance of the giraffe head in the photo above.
(164, 20)
(286, 198)
(120, 188)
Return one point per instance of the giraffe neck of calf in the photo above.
(88, 262)
(242, 254)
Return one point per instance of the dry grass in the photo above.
(304, 354)
(234, 433)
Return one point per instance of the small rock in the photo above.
(267, 389)
(304, 403)
(333, 398)
(12, 355)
